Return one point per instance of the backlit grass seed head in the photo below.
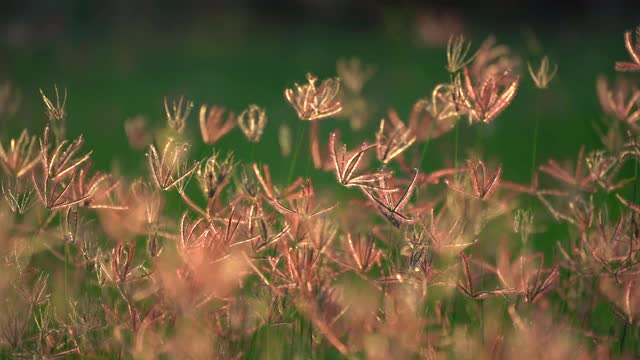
(390, 204)
(248, 182)
(458, 53)
(620, 100)
(604, 168)
(122, 268)
(212, 125)
(442, 234)
(64, 160)
(493, 60)
(18, 195)
(252, 122)
(154, 246)
(347, 165)
(20, 157)
(315, 103)
(214, 172)
(363, 251)
(96, 189)
(523, 224)
(167, 168)
(54, 178)
(483, 183)
(146, 198)
(545, 73)
(442, 113)
(354, 74)
(526, 276)
(178, 113)
(392, 142)
(138, 134)
(633, 47)
(56, 111)
(485, 100)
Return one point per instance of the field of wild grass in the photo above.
(384, 197)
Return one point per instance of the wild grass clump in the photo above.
(403, 264)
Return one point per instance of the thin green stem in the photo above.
(424, 151)
(295, 153)
(455, 149)
(535, 147)
(253, 151)
(623, 337)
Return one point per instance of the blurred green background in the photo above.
(120, 60)
(122, 63)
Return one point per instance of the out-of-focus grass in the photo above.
(111, 78)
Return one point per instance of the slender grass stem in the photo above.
(192, 205)
(66, 272)
(292, 167)
(534, 147)
(424, 151)
(623, 337)
(455, 148)
(253, 151)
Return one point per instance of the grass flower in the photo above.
(391, 142)
(178, 113)
(390, 204)
(354, 74)
(620, 101)
(545, 73)
(485, 100)
(212, 126)
(56, 111)
(165, 167)
(483, 183)
(252, 122)
(315, 103)
(20, 157)
(458, 53)
(634, 51)
(213, 174)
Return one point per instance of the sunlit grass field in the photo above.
(113, 77)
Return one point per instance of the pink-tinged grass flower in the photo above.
(304, 205)
(212, 125)
(347, 165)
(213, 174)
(138, 134)
(545, 73)
(252, 122)
(363, 251)
(493, 60)
(55, 111)
(483, 183)
(392, 140)
(178, 113)
(620, 100)
(315, 103)
(458, 53)
(166, 170)
(486, 99)
(354, 74)
(625, 297)
(634, 51)
(53, 180)
(96, 189)
(391, 203)
(20, 157)
(526, 276)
